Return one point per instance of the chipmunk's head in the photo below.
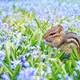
(54, 35)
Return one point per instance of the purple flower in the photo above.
(35, 53)
(0, 63)
(42, 79)
(14, 64)
(68, 77)
(5, 76)
(2, 55)
(78, 66)
(53, 54)
(75, 74)
(65, 26)
(24, 63)
(27, 74)
(22, 58)
(49, 68)
(43, 58)
(1, 24)
(23, 38)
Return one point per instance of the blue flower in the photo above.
(53, 54)
(75, 74)
(42, 79)
(78, 66)
(35, 53)
(24, 63)
(27, 74)
(22, 58)
(0, 63)
(14, 64)
(2, 55)
(5, 76)
(1, 24)
(17, 42)
(65, 26)
(23, 38)
(49, 71)
(68, 77)
(43, 57)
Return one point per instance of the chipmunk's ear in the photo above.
(52, 31)
(58, 28)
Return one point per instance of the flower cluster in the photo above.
(23, 53)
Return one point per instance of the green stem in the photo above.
(7, 69)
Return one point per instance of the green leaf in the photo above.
(16, 72)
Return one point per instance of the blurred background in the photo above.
(44, 9)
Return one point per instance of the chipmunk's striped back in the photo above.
(70, 40)
(56, 37)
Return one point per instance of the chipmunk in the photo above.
(57, 37)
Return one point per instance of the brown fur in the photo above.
(56, 37)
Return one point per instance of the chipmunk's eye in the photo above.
(52, 34)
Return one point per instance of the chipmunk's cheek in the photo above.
(47, 43)
(49, 40)
(54, 44)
